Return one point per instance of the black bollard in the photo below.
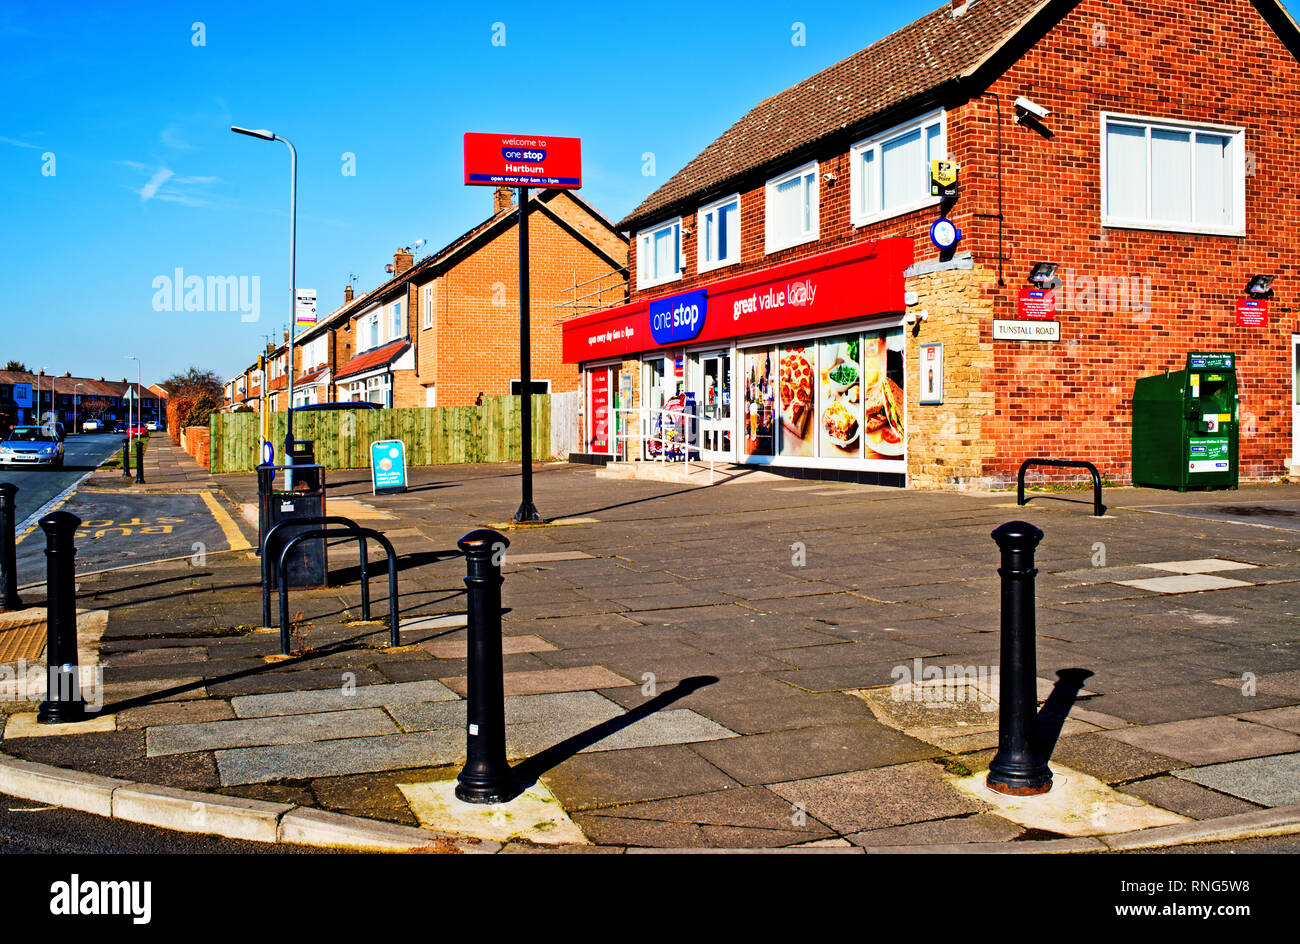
(139, 462)
(126, 458)
(1017, 769)
(63, 702)
(487, 777)
(9, 599)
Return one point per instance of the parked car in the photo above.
(91, 426)
(152, 426)
(32, 445)
(134, 429)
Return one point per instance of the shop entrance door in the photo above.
(713, 393)
(654, 384)
(600, 408)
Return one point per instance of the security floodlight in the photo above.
(1043, 274)
(254, 132)
(1260, 286)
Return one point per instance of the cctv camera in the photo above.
(1038, 111)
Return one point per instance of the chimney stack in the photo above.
(502, 199)
(67, 373)
(286, 336)
(347, 293)
(402, 260)
(958, 7)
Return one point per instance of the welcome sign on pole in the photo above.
(523, 161)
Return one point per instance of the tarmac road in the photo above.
(31, 827)
(36, 486)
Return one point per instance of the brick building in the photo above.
(1143, 148)
(445, 328)
(29, 398)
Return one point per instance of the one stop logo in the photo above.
(677, 318)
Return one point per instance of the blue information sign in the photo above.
(388, 466)
(678, 317)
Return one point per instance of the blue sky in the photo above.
(147, 177)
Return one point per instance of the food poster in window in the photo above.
(760, 401)
(798, 437)
(882, 394)
(600, 411)
(840, 406)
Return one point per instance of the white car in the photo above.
(32, 445)
(152, 426)
(90, 426)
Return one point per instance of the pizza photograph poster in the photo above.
(798, 432)
(839, 397)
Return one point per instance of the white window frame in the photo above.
(427, 315)
(773, 244)
(701, 234)
(1238, 137)
(395, 310)
(644, 259)
(857, 214)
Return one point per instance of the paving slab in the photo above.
(277, 729)
(1206, 565)
(1109, 759)
(1285, 719)
(871, 799)
(1268, 781)
(1187, 798)
(605, 778)
(340, 698)
(1077, 805)
(579, 678)
(981, 827)
(534, 815)
(1208, 740)
(346, 756)
(1184, 583)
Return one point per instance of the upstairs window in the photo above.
(396, 326)
(890, 172)
(428, 306)
(1162, 175)
(791, 211)
(718, 228)
(659, 255)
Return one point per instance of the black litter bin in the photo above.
(307, 566)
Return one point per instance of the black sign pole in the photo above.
(527, 513)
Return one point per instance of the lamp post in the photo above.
(76, 402)
(293, 229)
(36, 416)
(136, 398)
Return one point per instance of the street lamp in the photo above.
(293, 295)
(76, 402)
(140, 375)
(37, 417)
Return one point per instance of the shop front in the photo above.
(800, 365)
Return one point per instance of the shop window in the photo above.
(659, 255)
(1160, 175)
(791, 209)
(718, 227)
(890, 172)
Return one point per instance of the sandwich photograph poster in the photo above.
(883, 430)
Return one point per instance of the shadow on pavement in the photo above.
(1052, 715)
(526, 772)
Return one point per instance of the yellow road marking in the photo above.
(234, 537)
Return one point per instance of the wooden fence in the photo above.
(433, 435)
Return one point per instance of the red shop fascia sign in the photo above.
(846, 284)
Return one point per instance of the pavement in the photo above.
(758, 664)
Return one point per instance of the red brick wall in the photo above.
(478, 321)
(1213, 62)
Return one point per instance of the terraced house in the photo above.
(961, 246)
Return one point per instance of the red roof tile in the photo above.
(378, 357)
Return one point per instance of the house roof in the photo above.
(910, 67)
(378, 357)
(904, 67)
(79, 386)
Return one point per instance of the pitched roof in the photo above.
(378, 357)
(903, 67)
